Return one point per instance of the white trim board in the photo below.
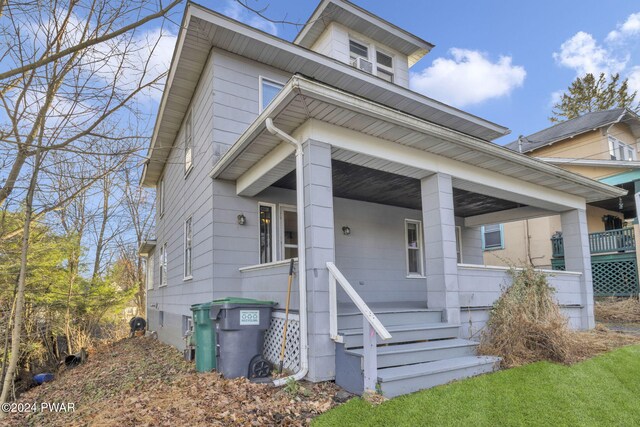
(485, 181)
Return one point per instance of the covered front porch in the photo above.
(393, 209)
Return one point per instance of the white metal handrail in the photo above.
(371, 325)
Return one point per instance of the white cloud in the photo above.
(630, 28)
(469, 77)
(584, 55)
(556, 97)
(236, 11)
(634, 81)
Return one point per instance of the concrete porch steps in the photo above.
(423, 352)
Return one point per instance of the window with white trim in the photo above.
(268, 91)
(413, 241)
(267, 231)
(188, 144)
(493, 237)
(381, 65)
(160, 195)
(187, 248)
(357, 50)
(150, 267)
(384, 66)
(618, 150)
(289, 234)
(163, 265)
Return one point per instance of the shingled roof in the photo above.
(570, 128)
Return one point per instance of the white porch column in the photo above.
(577, 257)
(318, 196)
(441, 267)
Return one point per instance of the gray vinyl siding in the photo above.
(225, 103)
(373, 257)
(185, 197)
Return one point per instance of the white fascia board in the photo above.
(625, 164)
(325, 61)
(536, 195)
(245, 184)
(510, 215)
(365, 15)
(165, 92)
(352, 102)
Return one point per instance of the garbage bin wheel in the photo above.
(259, 367)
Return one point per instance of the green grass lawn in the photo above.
(602, 391)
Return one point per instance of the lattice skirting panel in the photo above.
(273, 341)
(613, 275)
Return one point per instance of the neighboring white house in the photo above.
(393, 189)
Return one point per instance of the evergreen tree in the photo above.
(587, 94)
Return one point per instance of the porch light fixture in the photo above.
(346, 230)
(620, 203)
(242, 220)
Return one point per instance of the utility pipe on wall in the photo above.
(302, 265)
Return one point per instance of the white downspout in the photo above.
(302, 265)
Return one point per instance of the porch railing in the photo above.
(619, 240)
(371, 325)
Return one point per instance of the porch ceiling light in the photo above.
(242, 220)
(346, 230)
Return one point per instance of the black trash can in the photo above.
(240, 327)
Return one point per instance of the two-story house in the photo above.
(317, 150)
(603, 146)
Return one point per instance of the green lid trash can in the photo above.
(205, 337)
(240, 327)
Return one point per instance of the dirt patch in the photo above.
(618, 310)
(141, 381)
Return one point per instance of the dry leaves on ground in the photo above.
(141, 381)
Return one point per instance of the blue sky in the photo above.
(504, 61)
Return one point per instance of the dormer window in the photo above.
(618, 150)
(384, 66)
(381, 65)
(357, 50)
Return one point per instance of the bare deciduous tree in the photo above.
(71, 76)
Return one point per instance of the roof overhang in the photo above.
(146, 247)
(627, 117)
(305, 106)
(568, 161)
(365, 23)
(203, 30)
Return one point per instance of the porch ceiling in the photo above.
(628, 202)
(355, 182)
(309, 109)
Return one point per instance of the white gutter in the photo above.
(302, 267)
